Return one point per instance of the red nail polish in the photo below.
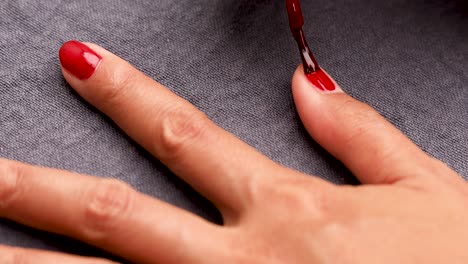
(296, 22)
(321, 80)
(311, 68)
(79, 59)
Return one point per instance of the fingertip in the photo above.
(95, 47)
(79, 59)
(99, 50)
(312, 101)
(93, 72)
(319, 81)
(303, 93)
(297, 81)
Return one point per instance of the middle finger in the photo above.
(210, 159)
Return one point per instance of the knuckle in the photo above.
(10, 178)
(355, 108)
(254, 191)
(357, 113)
(117, 85)
(299, 194)
(179, 127)
(106, 206)
(360, 118)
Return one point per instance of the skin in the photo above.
(411, 208)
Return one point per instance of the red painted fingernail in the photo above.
(321, 80)
(79, 59)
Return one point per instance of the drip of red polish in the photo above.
(321, 80)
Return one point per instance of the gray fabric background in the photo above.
(234, 60)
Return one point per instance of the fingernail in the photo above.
(79, 59)
(321, 80)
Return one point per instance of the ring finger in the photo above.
(104, 213)
(30, 256)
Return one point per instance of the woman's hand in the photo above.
(412, 208)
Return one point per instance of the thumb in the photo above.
(372, 148)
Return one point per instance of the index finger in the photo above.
(370, 146)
